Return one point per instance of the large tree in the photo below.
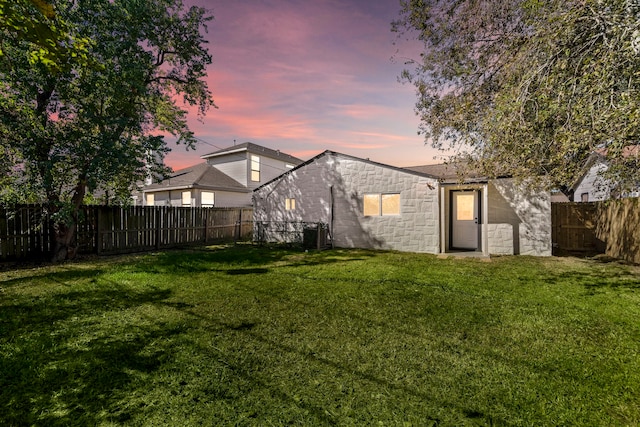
(78, 123)
(528, 87)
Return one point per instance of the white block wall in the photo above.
(519, 219)
(416, 229)
(501, 239)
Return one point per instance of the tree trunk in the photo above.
(64, 230)
(64, 247)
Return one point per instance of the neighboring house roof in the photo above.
(254, 148)
(201, 176)
(559, 197)
(346, 156)
(599, 158)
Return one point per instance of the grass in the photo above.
(262, 336)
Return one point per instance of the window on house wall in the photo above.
(186, 198)
(255, 168)
(584, 197)
(381, 204)
(390, 204)
(290, 204)
(208, 199)
(150, 199)
(371, 204)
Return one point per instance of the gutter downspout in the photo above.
(443, 220)
(485, 220)
(331, 213)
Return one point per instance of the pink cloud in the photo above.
(303, 77)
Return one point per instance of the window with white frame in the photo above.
(186, 198)
(150, 199)
(381, 204)
(255, 168)
(289, 204)
(208, 199)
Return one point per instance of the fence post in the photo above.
(4, 234)
(98, 230)
(158, 226)
(238, 229)
(206, 223)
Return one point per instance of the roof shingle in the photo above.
(254, 148)
(202, 176)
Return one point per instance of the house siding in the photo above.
(233, 165)
(269, 169)
(238, 167)
(593, 185)
(225, 199)
(415, 229)
(230, 199)
(519, 220)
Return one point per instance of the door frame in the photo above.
(446, 190)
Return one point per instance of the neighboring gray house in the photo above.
(226, 179)
(422, 209)
(591, 187)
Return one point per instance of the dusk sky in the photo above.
(306, 76)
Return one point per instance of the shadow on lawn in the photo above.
(242, 259)
(60, 367)
(594, 279)
(243, 368)
(209, 259)
(61, 277)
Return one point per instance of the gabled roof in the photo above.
(202, 176)
(599, 157)
(346, 156)
(254, 148)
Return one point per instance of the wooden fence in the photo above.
(573, 229)
(609, 227)
(24, 230)
(618, 226)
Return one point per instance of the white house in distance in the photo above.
(421, 209)
(226, 178)
(591, 187)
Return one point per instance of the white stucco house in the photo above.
(226, 178)
(366, 204)
(592, 187)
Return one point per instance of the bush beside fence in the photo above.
(25, 231)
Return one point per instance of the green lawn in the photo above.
(261, 336)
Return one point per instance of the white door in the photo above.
(464, 219)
